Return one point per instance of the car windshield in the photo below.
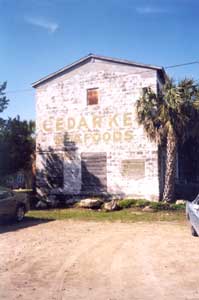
(3, 194)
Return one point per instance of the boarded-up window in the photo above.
(94, 172)
(92, 96)
(133, 168)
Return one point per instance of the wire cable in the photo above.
(137, 73)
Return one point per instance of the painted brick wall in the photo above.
(64, 116)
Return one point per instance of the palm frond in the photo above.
(173, 109)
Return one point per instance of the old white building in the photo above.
(88, 139)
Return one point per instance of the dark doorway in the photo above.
(188, 156)
(94, 172)
(187, 185)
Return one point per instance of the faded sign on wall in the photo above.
(92, 129)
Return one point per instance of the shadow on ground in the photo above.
(7, 225)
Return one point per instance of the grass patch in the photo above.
(125, 215)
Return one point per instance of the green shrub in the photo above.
(126, 203)
(142, 203)
(159, 206)
(177, 206)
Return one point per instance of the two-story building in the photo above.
(88, 138)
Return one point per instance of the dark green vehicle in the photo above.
(13, 204)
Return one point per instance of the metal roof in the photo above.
(91, 56)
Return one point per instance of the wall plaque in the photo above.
(133, 168)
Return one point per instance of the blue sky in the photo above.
(40, 36)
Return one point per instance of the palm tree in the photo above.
(169, 117)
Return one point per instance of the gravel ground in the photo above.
(88, 260)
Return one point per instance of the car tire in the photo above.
(193, 232)
(20, 213)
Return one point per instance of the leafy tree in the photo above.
(3, 101)
(170, 117)
(17, 145)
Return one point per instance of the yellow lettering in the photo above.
(97, 122)
(47, 126)
(96, 138)
(113, 121)
(77, 138)
(127, 120)
(60, 124)
(58, 139)
(66, 138)
(71, 123)
(117, 136)
(106, 136)
(128, 135)
(87, 136)
(82, 123)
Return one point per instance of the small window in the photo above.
(92, 96)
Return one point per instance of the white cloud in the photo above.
(43, 23)
(150, 10)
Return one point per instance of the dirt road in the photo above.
(86, 260)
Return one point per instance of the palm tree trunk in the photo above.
(169, 187)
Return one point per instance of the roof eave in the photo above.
(60, 71)
(94, 56)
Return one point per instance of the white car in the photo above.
(192, 214)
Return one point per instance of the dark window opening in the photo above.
(92, 96)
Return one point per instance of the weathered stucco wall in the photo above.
(67, 126)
